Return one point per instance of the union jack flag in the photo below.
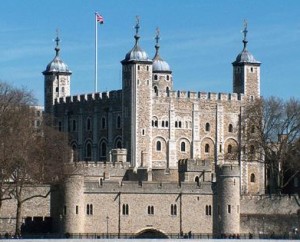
(99, 18)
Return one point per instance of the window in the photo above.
(63, 89)
(158, 146)
(103, 123)
(182, 146)
(176, 124)
(162, 123)
(173, 209)
(206, 148)
(156, 123)
(208, 210)
(156, 90)
(88, 124)
(56, 89)
(65, 210)
(252, 177)
(155, 77)
(167, 90)
(59, 126)
(88, 150)
(147, 68)
(103, 149)
(168, 78)
(230, 128)
(119, 144)
(138, 67)
(207, 127)
(179, 124)
(252, 129)
(118, 122)
(125, 209)
(251, 69)
(74, 124)
(167, 123)
(229, 149)
(150, 210)
(229, 208)
(76, 209)
(252, 149)
(89, 209)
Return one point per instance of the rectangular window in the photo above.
(229, 208)
(125, 209)
(89, 209)
(65, 210)
(173, 209)
(150, 210)
(76, 209)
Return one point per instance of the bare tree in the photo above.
(30, 156)
(271, 134)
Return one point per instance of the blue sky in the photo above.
(199, 39)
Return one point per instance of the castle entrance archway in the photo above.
(151, 234)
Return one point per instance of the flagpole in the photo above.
(96, 53)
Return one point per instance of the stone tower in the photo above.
(57, 80)
(137, 104)
(246, 72)
(73, 210)
(162, 74)
(228, 202)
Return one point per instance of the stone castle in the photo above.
(152, 160)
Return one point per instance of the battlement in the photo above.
(147, 187)
(229, 170)
(194, 165)
(115, 94)
(203, 95)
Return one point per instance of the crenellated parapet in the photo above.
(91, 97)
(209, 96)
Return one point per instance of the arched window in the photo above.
(252, 177)
(88, 124)
(229, 149)
(182, 146)
(230, 128)
(207, 127)
(156, 90)
(158, 146)
(155, 77)
(88, 150)
(206, 148)
(119, 144)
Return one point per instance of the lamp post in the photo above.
(107, 218)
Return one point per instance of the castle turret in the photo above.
(137, 104)
(246, 72)
(228, 202)
(57, 80)
(162, 74)
(73, 210)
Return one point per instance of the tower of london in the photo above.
(153, 160)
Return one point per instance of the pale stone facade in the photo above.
(150, 158)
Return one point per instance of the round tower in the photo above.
(73, 210)
(162, 75)
(246, 72)
(228, 202)
(137, 104)
(57, 77)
